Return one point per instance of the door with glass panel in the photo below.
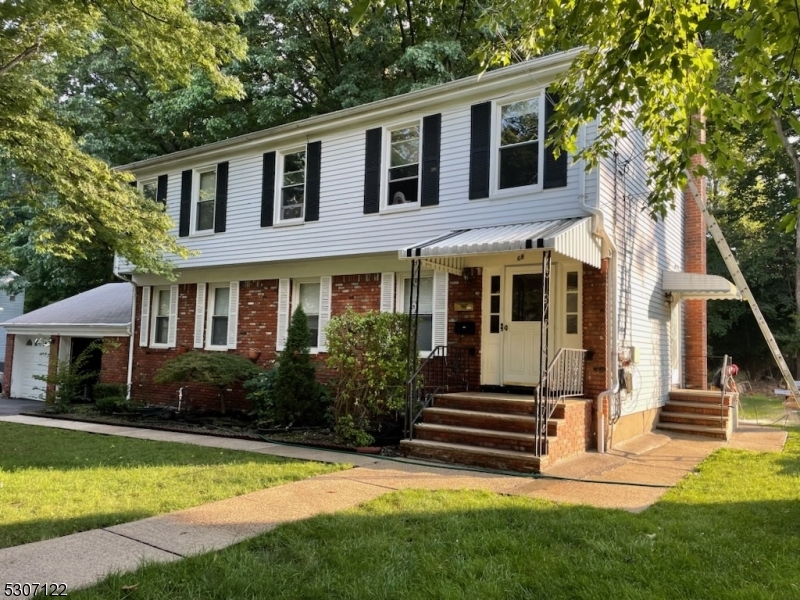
(522, 325)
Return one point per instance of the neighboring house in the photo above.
(333, 211)
(41, 339)
(11, 305)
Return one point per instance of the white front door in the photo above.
(522, 325)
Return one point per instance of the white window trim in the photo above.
(155, 292)
(193, 231)
(295, 302)
(400, 306)
(278, 202)
(210, 300)
(494, 160)
(386, 150)
(149, 180)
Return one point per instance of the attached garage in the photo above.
(55, 334)
(31, 359)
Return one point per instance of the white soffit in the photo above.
(699, 286)
(570, 237)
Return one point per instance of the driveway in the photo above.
(13, 406)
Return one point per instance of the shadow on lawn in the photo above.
(417, 544)
(34, 530)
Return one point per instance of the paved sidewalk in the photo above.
(630, 477)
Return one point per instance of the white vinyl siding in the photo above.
(343, 229)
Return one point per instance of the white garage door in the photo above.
(31, 355)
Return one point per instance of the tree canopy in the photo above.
(75, 199)
(647, 63)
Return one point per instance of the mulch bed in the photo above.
(238, 427)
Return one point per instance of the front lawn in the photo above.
(762, 408)
(54, 482)
(731, 530)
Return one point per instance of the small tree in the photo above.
(368, 353)
(214, 368)
(299, 399)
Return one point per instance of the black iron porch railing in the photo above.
(443, 370)
(563, 379)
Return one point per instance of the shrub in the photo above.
(110, 404)
(297, 397)
(261, 392)
(213, 368)
(368, 353)
(108, 390)
(349, 432)
(69, 379)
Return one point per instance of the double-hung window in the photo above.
(161, 316)
(404, 166)
(308, 296)
(519, 153)
(292, 189)
(218, 311)
(205, 200)
(424, 304)
(149, 189)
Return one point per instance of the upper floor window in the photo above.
(518, 147)
(404, 159)
(218, 311)
(149, 189)
(291, 203)
(205, 200)
(161, 304)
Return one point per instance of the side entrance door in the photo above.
(522, 325)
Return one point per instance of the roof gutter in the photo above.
(543, 68)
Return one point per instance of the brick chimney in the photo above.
(694, 311)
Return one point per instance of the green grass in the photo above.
(55, 482)
(762, 408)
(731, 530)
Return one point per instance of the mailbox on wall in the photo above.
(465, 327)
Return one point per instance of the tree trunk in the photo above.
(791, 150)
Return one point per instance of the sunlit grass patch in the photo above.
(54, 482)
(731, 530)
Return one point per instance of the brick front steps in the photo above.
(497, 431)
(697, 412)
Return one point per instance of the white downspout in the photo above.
(131, 328)
(608, 249)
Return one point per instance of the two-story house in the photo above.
(457, 180)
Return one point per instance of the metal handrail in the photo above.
(563, 379)
(442, 370)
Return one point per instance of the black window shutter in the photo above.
(313, 166)
(479, 150)
(161, 190)
(133, 183)
(555, 169)
(431, 146)
(372, 172)
(186, 203)
(267, 189)
(221, 203)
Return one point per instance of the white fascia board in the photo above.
(536, 73)
(72, 330)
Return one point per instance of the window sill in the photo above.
(517, 191)
(203, 233)
(216, 348)
(292, 223)
(400, 208)
(160, 346)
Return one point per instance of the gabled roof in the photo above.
(105, 310)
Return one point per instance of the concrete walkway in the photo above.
(630, 477)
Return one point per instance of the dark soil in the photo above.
(232, 425)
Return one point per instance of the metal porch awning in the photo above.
(698, 286)
(570, 237)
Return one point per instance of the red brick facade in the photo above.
(595, 329)
(462, 289)
(573, 433)
(695, 340)
(114, 364)
(9, 359)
